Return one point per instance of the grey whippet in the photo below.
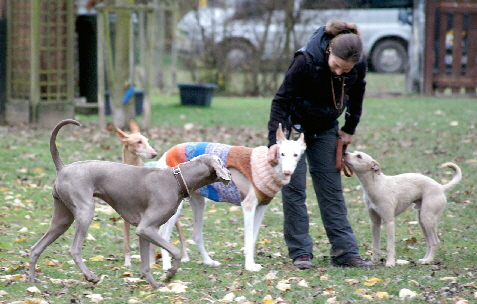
(145, 197)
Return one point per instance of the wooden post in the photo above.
(35, 60)
(101, 49)
(430, 10)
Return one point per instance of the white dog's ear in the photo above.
(375, 166)
(222, 173)
(301, 141)
(280, 136)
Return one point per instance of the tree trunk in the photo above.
(415, 70)
(122, 113)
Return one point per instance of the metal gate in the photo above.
(450, 54)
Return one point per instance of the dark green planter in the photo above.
(196, 94)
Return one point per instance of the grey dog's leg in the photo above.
(61, 220)
(147, 231)
(83, 216)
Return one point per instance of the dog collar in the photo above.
(180, 180)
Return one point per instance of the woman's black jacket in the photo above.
(305, 97)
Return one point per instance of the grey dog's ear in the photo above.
(222, 173)
(375, 166)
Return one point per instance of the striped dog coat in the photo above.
(251, 162)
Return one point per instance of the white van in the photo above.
(241, 35)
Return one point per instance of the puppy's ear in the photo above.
(133, 127)
(121, 133)
(376, 167)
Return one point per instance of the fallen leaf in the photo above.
(352, 282)
(272, 275)
(406, 294)
(52, 263)
(372, 281)
(401, 262)
(267, 299)
(228, 298)
(38, 170)
(283, 285)
(382, 295)
(35, 301)
(95, 297)
(33, 289)
(175, 287)
(98, 258)
(448, 279)
(90, 237)
(95, 226)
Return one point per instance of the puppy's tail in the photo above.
(457, 176)
(55, 155)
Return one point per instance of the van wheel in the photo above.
(389, 56)
(236, 55)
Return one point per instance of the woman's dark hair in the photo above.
(347, 43)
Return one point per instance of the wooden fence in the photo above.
(450, 53)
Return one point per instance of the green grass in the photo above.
(405, 134)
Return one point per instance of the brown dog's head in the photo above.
(136, 143)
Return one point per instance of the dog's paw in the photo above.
(390, 264)
(212, 263)
(91, 278)
(254, 267)
(424, 261)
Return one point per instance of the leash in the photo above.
(340, 163)
(180, 180)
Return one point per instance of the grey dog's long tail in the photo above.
(457, 176)
(55, 155)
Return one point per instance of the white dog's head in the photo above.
(289, 153)
(361, 162)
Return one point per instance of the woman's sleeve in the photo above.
(356, 96)
(292, 84)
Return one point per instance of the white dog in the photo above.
(254, 184)
(388, 196)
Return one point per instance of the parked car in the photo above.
(237, 36)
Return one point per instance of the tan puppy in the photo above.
(388, 196)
